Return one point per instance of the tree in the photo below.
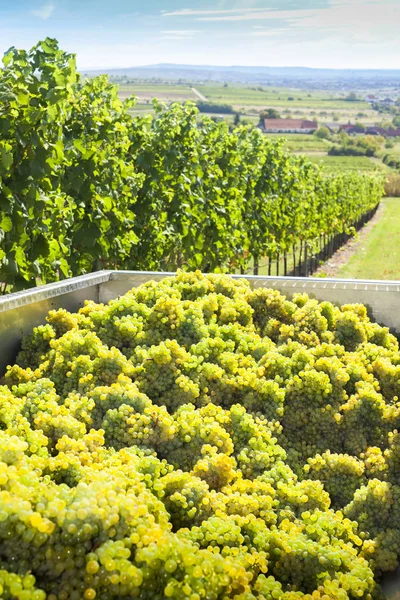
(269, 113)
(323, 133)
(360, 127)
(214, 107)
(352, 97)
(396, 121)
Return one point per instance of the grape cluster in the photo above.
(341, 475)
(200, 439)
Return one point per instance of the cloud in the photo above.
(45, 11)
(256, 15)
(183, 32)
(179, 34)
(188, 12)
(267, 32)
(361, 21)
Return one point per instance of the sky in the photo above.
(125, 33)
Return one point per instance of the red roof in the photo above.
(372, 130)
(289, 124)
(347, 127)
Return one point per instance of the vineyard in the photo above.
(84, 185)
(195, 438)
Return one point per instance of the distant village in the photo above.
(278, 125)
(305, 126)
(288, 125)
(385, 101)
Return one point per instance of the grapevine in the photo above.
(84, 186)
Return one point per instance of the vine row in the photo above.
(85, 185)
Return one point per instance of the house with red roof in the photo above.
(288, 126)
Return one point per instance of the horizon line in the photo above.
(210, 66)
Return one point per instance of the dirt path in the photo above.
(199, 94)
(343, 255)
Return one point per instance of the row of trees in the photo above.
(367, 145)
(84, 185)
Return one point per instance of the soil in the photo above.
(341, 257)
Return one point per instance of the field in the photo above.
(317, 151)
(240, 95)
(167, 93)
(302, 143)
(323, 106)
(145, 93)
(346, 163)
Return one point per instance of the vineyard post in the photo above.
(294, 259)
(300, 256)
(256, 265)
(305, 260)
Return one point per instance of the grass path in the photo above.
(379, 255)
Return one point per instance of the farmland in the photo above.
(166, 93)
(240, 95)
(346, 163)
(302, 143)
(324, 106)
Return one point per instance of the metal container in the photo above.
(22, 311)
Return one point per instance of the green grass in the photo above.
(247, 96)
(346, 163)
(155, 88)
(241, 95)
(301, 142)
(379, 256)
(140, 107)
(168, 93)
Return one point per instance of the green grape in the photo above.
(216, 468)
(199, 439)
(392, 457)
(340, 474)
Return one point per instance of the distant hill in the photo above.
(282, 76)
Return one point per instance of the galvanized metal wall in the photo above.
(22, 311)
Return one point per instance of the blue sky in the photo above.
(123, 33)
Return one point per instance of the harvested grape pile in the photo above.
(199, 439)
